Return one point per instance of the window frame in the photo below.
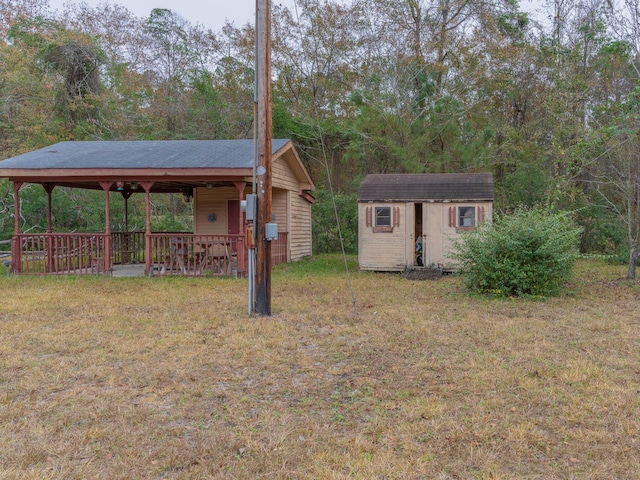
(462, 216)
(382, 218)
(378, 216)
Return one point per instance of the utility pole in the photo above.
(263, 170)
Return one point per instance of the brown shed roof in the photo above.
(427, 187)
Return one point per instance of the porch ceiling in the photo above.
(159, 186)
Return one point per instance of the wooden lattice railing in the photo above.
(59, 253)
(163, 253)
(196, 255)
(127, 248)
(279, 250)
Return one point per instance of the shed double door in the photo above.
(418, 249)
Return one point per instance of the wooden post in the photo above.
(16, 245)
(240, 245)
(106, 186)
(48, 187)
(241, 186)
(126, 194)
(263, 172)
(126, 239)
(147, 235)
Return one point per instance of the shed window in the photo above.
(466, 216)
(383, 216)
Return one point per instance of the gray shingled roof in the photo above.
(427, 187)
(161, 154)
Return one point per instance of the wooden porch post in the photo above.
(125, 238)
(106, 186)
(241, 186)
(147, 235)
(126, 194)
(241, 245)
(48, 187)
(16, 246)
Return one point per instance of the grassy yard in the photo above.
(138, 378)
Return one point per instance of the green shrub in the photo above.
(529, 252)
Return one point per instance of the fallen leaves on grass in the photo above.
(154, 378)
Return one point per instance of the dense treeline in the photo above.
(362, 87)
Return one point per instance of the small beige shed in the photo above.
(408, 221)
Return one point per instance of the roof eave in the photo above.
(126, 174)
(425, 200)
(296, 165)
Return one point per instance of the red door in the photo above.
(233, 217)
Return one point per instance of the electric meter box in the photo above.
(249, 206)
(271, 231)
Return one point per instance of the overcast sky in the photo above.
(211, 13)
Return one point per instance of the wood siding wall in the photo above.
(445, 231)
(291, 209)
(296, 210)
(300, 234)
(280, 208)
(395, 251)
(282, 177)
(383, 251)
(207, 202)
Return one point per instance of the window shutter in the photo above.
(369, 216)
(480, 215)
(452, 217)
(396, 216)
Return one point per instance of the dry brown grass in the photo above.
(169, 378)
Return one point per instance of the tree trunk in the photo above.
(633, 261)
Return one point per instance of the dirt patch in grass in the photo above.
(423, 274)
(169, 378)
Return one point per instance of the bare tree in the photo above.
(615, 174)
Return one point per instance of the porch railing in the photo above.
(127, 248)
(279, 250)
(169, 253)
(196, 255)
(59, 253)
